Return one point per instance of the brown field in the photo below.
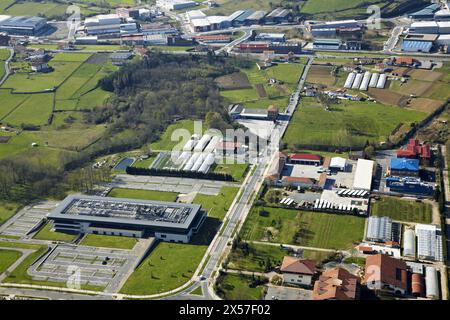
(425, 105)
(234, 81)
(387, 96)
(321, 74)
(261, 91)
(415, 87)
(425, 75)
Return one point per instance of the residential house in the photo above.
(297, 271)
(336, 284)
(383, 272)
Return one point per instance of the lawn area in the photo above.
(47, 234)
(217, 206)
(4, 54)
(146, 163)
(347, 124)
(237, 171)
(36, 110)
(260, 253)
(143, 194)
(7, 210)
(165, 142)
(309, 229)
(319, 6)
(237, 287)
(402, 210)
(100, 240)
(227, 7)
(7, 258)
(168, 267)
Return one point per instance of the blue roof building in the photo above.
(404, 167)
(417, 46)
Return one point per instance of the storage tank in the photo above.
(212, 144)
(365, 81)
(202, 143)
(357, 82)
(409, 243)
(381, 81)
(191, 162)
(417, 284)
(431, 283)
(198, 162)
(350, 78)
(207, 163)
(374, 80)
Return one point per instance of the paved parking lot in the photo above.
(169, 184)
(27, 219)
(95, 266)
(287, 293)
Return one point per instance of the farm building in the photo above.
(120, 58)
(363, 175)
(379, 229)
(306, 158)
(338, 163)
(424, 27)
(256, 17)
(166, 221)
(276, 168)
(409, 243)
(273, 37)
(342, 24)
(431, 283)
(327, 44)
(385, 272)
(416, 150)
(429, 242)
(426, 13)
(279, 15)
(415, 42)
(402, 167)
(297, 271)
(176, 4)
(19, 25)
(336, 284)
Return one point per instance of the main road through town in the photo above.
(239, 211)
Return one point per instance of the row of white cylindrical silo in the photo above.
(363, 81)
(431, 283)
(202, 143)
(207, 163)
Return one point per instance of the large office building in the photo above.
(167, 221)
(22, 25)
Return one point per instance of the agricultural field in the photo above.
(163, 270)
(56, 112)
(251, 86)
(143, 194)
(303, 228)
(4, 55)
(402, 210)
(116, 242)
(347, 124)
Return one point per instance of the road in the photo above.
(229, 47)
(7, 69)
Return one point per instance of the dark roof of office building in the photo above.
(427, 11)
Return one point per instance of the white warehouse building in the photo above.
(363, 175)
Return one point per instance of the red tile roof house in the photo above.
(386, 273)
(306, 158)
(416, 150)
(297, 271)
(336, 284)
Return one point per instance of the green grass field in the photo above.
(7, 258)
(143, 194)
(106, 241)
(314, 229)
(47, 234)
(168, 267)
(260, 253)
(237, 287)
(165, 142)
(4, 54)
(217, 206)
(348, 124)
(402, 210)
(288, 74)
(237, 171)
(7, 210)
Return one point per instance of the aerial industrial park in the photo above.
(222, 150)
